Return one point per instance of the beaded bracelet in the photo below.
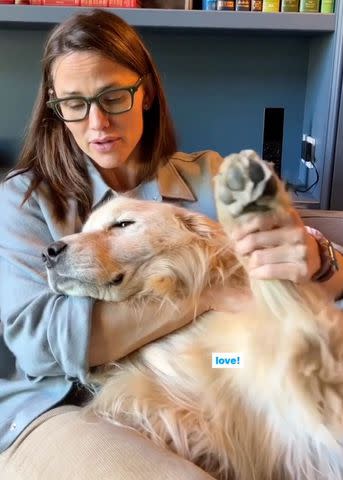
(328, 260)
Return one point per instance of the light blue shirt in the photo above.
(44, 336)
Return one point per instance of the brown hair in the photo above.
(49, 151)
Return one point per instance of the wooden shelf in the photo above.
(27, 16)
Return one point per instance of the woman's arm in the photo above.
(47, 333)
(118, 328)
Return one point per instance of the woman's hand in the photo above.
(277, 246)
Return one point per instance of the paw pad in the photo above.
(244, 182)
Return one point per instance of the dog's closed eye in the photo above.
(121, 224)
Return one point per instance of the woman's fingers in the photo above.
(295, 272)
(277, 246)
(268, 221)
(283, 262)
(280, 254)
(297, 260)
(287, 236)
(255, 223)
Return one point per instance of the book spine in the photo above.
(61, 3)
(271, 6)
(289, 5)
(209, 4)
(256, 5)
(309, 6)
(118, 3)
(226, 5)
(93, 3)
(327, 6)
(242, 5)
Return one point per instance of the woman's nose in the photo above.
(97, 119)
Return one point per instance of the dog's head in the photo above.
(131, 247)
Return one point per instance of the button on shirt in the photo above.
(44, 336)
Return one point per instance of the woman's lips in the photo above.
(105, 146)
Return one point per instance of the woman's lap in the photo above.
(65, 445)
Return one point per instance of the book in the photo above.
(209, 4)
(309, 6)
(242, 5)
(226, 5)
(256, 5)
(327, 6)
(289, 5)
(61, 3)
(122, 3)
(173, 4)
(270, 6)
(93, 3)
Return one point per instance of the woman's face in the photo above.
(109, 140)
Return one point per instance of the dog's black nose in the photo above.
(51, 254)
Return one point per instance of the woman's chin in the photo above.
(108, 160)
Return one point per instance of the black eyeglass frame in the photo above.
(53, 104)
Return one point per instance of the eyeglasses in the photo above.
(113, 102)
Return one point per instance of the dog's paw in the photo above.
(246, 184)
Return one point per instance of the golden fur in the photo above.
(277, 418)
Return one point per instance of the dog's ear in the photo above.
(199, 224)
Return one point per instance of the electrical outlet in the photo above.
(312, 142)
(308, 150)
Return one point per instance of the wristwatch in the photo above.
(328, 260)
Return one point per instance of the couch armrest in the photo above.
(329, 222)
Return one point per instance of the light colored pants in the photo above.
(64, 445)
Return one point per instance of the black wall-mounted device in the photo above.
(273, 137)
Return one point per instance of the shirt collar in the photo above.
(169, 184)
(100, 188)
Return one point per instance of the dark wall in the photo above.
(217, 85)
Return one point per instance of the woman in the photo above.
(100, 127)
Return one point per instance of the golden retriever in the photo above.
(276, 412)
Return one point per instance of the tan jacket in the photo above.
(188, 179)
